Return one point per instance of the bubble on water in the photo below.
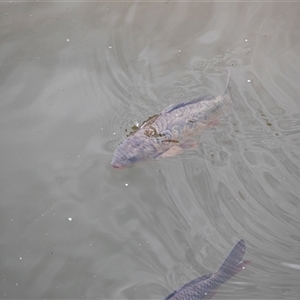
(110, 47)
(126, 184)
(249, 80)
(67, 40)
(246, 40)
(70, 219)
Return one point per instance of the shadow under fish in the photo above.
(206, 286)
(170, 132)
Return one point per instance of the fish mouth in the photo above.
(116, 165)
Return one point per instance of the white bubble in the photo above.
(126, 184)
(249, 80)
(69, 219)
(67, 40)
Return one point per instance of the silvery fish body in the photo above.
(205, 287)
(170, 132)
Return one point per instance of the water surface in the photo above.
(75, 77)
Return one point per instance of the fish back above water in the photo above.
(206, 286)
(170, 132)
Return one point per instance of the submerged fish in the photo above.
(205, 287)
(170, 132)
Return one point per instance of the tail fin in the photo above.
(227, 87)
(233, 263)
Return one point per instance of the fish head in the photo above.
(133, 150)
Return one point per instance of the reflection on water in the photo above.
(75, 77)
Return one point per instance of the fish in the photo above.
(205, 287)
(170, 132)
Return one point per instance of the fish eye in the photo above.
(132, 159)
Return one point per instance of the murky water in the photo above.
(75, 77)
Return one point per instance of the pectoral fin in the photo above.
(189, 144)
(214, 123)
(174, 150)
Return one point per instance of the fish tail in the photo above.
(227, 87)
(233, 263)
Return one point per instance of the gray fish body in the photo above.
(205, 287)
(172, 128)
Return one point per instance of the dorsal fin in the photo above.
(170, 296)
(182, 104)
(172, 107)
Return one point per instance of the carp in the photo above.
(171, 131)
(206, 286)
